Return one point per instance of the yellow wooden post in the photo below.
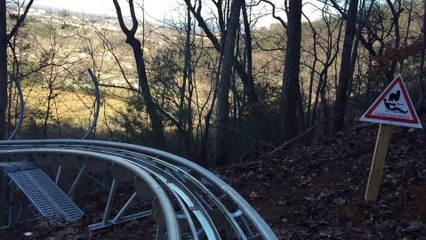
(378, 163)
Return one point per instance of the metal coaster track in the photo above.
(188, 201)
(207, 203)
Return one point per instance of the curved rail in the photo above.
(168, 168)
(22, 107)
(97, 104)
(173, 231)
(225, 213)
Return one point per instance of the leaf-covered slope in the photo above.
(317, 191)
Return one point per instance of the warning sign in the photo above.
(393, 107)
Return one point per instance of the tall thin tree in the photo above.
(422, 63)
(228, 59)
(4, 41)
(346, 71)
(3, 69)
(136, 45)
(291, 89)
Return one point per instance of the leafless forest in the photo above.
(210, 84)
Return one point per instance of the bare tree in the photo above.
(345, 68)
(422, 63)
(228, 59)
(3, 69)
(136, 45)
(4, 41)
(250, 90)
(291, 88)
(326, 40)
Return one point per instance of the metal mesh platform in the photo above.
(46, 197)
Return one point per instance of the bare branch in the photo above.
(20, 21)
(120, 18)
(274, 13)
(134, 19)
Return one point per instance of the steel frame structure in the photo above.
(207, 205)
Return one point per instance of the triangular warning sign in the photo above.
(393, 107)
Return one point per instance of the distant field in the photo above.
(75, 108)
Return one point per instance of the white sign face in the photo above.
(393, 107)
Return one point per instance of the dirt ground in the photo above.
(316, 191)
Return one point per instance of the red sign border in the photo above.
(407, 100)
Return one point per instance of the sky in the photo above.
(155, 9)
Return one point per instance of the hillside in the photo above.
(316, 191)
(311, 191)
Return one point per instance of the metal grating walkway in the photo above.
(49, 200)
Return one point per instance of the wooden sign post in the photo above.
(378, 163)
(392, 107)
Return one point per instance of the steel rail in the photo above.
(254, 218)
(179, 190)
(22, 107)
(213, 198)
(97, 104)
(185, 194)
(167, 211)
(191, 224)
(149, 162)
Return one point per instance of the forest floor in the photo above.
(316, 191)
(313, 191)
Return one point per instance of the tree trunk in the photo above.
(249, 88)
(248, 83)
(4, 40)
(345, 67)
(144, 89)
(3, 69)
(312, 75)
(291, 88)
(395, 19)
(136, 45)
(185, 111)
(49, 104)
(222, 112)
(324, 103)
(422, 63)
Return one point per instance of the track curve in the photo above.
(209, 207)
